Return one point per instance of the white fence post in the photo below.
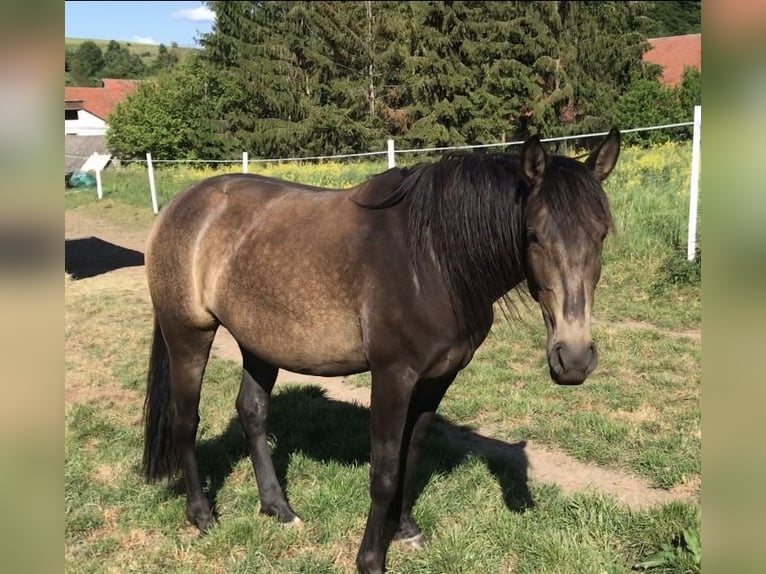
(99, 189)
(244, 162)
(694, 190)
(153, 190)
(391, 159)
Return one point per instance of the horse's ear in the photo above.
(602, 161)
(533, 161)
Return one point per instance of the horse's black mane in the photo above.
(469, 209)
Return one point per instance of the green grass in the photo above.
(649, 197)
(114, 518)
(639, 412)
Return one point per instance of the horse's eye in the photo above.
(532, 237)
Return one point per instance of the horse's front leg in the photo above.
(390, 432)
(426, 398)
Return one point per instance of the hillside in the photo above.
(147, 52)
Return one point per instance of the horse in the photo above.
(398, 276)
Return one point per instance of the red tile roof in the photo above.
(674, 53)
(101, 101)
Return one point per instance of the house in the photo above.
(85, 114)
(674, 54)
(86, 109)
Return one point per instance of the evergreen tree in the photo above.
(603, 42)
(542, 90)
(314, 78)
(673, 18)
(392, 34)
(248, 49)
(440, 76)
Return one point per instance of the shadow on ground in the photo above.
(303, 419)
(92, 256)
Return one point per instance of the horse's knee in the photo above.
(383, 485)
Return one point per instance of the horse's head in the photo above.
(566, 221)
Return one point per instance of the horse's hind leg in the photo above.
(188, 351)
(258, 380)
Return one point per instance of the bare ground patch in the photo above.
(109, 475)
(631, 324)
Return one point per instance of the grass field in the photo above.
(639, 412)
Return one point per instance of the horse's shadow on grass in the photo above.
(303, 419)
(92, 256)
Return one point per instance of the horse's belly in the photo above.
(316, 342)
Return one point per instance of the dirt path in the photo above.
(643, 325)
(544, 465)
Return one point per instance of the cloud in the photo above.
(199, 14)
(144, 40)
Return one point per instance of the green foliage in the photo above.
(86, 63)
(690, 89)
(673, 18)
(119, 62)
(683, 555)
(677, 271)
(170, 118)
(647, 103)
(165, 60)
(601, 43)
(309, 78)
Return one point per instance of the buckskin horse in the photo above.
(397, 276)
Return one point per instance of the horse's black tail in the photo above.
(160, 460)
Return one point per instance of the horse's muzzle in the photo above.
(571, 363)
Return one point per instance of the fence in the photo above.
(391, 151)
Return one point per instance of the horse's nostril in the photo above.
(592, 357)
(558, 356)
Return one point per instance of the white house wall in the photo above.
(86, 124)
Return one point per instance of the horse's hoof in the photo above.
(285, 516)
(294, 523)
(204, 525)
(417, 542)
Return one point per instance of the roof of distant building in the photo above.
(674, 54)
(101, 101)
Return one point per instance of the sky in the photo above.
(139, 22)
